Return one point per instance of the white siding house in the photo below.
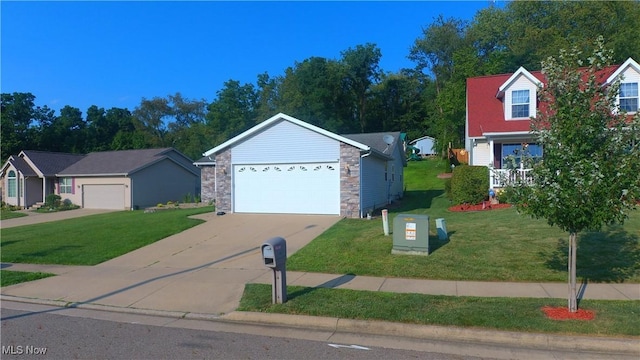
(285, 165)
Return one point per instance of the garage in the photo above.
(284, 165)
(293, 188)
(103, 197)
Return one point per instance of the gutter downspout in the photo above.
(360, 180)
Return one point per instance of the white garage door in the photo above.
(103, 197)
(287, 188)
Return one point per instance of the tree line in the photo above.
(350, 94)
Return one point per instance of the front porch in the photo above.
(511, 158)
(499, 178)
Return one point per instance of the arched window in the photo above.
(12, 184)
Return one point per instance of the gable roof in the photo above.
(421, 138)
(205, 160)
(485, 106)
(521, 71)
(629, 63)
(118, 163)
(19, 164)
(49, 163)
(275, 119)
(485, 111)
(376, 142)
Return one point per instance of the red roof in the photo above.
(485, 112)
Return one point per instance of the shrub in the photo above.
(469, 184)
(68, 205)
(52, 201)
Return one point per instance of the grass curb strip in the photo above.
(610, 346)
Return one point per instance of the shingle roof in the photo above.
(485, 111)
(50, 163)
(22, 166)
(120, 162)
(205, 160)
(376, 141)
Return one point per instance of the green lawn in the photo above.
(15, 277)
(612, 318)
(93, 239)
(7, 214)
(493, 245)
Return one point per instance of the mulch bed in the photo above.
(563, 313)
(478, 207)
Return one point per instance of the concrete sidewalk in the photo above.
(597, 291)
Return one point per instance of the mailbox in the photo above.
(274, 253)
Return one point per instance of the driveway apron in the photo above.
(203, 269)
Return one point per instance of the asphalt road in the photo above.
(32, 331)
(63, 335)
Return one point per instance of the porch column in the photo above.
(491, 164)
(44, 188)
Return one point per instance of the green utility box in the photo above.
(411, 234)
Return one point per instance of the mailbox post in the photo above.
(274, 255)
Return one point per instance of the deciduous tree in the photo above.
(590, 173)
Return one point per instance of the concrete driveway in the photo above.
(203, 269)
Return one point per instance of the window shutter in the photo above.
(73, 185)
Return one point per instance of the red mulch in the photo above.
(478, 207)
(562, 313)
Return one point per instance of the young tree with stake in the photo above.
(590, 173)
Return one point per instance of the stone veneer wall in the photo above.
(223, 172)
(208, 183)
(349, 181)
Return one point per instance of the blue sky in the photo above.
(112, 54)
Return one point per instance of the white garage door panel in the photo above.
(287, 188)
(104, 197)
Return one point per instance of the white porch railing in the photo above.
(501, 177)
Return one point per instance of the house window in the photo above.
(12, 183)
(520, 104)
(514, 154)
(66, 186)
(629, 97)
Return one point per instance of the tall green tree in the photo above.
(312, 90)
(232, 112)
(398, 104)
(63, 133)
(18, 114)
(434, 54)
(153, 116)
(361, 72)
(590, 173)
(187, 132)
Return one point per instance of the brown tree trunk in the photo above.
(573, 293)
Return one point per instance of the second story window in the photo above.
(629, 97)
(520, 104)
